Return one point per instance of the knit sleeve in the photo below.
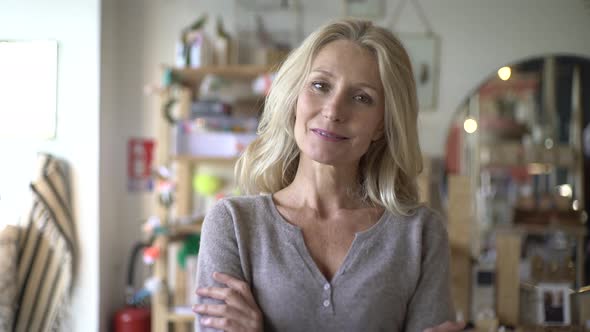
(431, 304)
(218, 252)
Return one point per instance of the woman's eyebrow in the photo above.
(356, 84)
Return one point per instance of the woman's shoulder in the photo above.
(242, 207)
(427, 214)
(238, 212)
(433, 223)
(244, 202)
(423, 218)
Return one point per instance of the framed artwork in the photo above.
(364, 8)
(28, 84)
(265, 4)
(554, 303)
(424, 55)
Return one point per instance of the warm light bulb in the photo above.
(576, 205)
(538, 168)
(470, 125)
(504, 73)
(565, 190)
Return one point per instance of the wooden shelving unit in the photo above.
(192, 77)
(184, 91)
(180, 318)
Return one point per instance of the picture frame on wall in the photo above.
(370, 9)
(19, 58)
(262, 5)
(554, 304)
(423, 50)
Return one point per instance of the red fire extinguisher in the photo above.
(133, 317)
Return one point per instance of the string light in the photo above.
(504, 73)
(565, 190)
(470, 125)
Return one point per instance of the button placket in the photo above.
(327, 303)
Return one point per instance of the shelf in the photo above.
(515, 154)
(179, 230)
(202, 159)
(193, 76)
(181, 318)
(541, 229)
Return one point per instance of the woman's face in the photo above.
(340, 108)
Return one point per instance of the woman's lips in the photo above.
(327, 135)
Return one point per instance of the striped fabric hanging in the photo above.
(47, 251)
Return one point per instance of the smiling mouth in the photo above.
(328, 135)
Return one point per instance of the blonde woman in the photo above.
(332, 236)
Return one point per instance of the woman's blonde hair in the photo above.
(389, 169)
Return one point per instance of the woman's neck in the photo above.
(325, 188)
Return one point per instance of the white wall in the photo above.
(75, 25)
(477, 37)
(111, 174)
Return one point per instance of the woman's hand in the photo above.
(239, 312)
(447, 326)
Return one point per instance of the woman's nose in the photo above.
(334, 108)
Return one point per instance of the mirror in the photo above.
(521, 142)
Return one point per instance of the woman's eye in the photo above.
(363, 99)
(321, 86)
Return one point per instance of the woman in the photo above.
(339, 242)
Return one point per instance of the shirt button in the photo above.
(327, 286)
(326, 303)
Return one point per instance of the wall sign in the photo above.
(140, 156)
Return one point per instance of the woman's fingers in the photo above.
(229, 296)
(221, 323)
(221, 310)
(215, 310)
(228, 318)
(233, 317)
(240, 286)
(447, 326)
(238, 312)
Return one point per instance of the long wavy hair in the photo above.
(388, 170)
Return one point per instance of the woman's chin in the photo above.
(332, 160)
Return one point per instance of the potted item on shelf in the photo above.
(194, 48)
(224, 46)
(216, 87)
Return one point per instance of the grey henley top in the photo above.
(395, 276)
